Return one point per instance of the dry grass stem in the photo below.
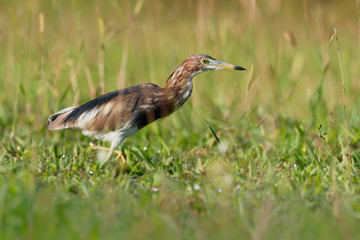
(334, 36)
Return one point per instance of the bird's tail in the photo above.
(55, 121)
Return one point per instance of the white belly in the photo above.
(110, 136)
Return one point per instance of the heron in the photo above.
(116, 115)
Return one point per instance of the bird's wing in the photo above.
(138, 105)
(152, 106)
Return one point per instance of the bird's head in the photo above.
(207, 63)
(196, 64)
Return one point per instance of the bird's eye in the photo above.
(204, 61)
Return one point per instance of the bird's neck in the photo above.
(180, 77)
(180, 83)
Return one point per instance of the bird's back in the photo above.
(135, 106)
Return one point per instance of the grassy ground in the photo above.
(283, 167)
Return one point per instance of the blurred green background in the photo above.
(283, 168)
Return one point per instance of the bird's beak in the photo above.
(218, 65)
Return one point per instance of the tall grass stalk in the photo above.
(348, 155)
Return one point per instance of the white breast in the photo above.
(188, 90)
(185, 94)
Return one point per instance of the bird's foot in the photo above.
(97, 147)
(102, 148)
(121, 155)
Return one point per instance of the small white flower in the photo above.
(145, 148)
(196, 187)
(223, 146)
(220, 190)
(18, 148)
(154, 189)
(91, 172)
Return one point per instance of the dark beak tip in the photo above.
(239, 68)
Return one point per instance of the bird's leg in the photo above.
(115, 143)
(97, 147)
(113, 150)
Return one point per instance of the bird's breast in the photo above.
(183, 94)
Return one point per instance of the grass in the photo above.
(274, 174)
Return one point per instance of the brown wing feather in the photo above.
(138, 105)
(55, 120)
(154, 105)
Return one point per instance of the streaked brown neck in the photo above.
(180, 82)
(178, 78)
